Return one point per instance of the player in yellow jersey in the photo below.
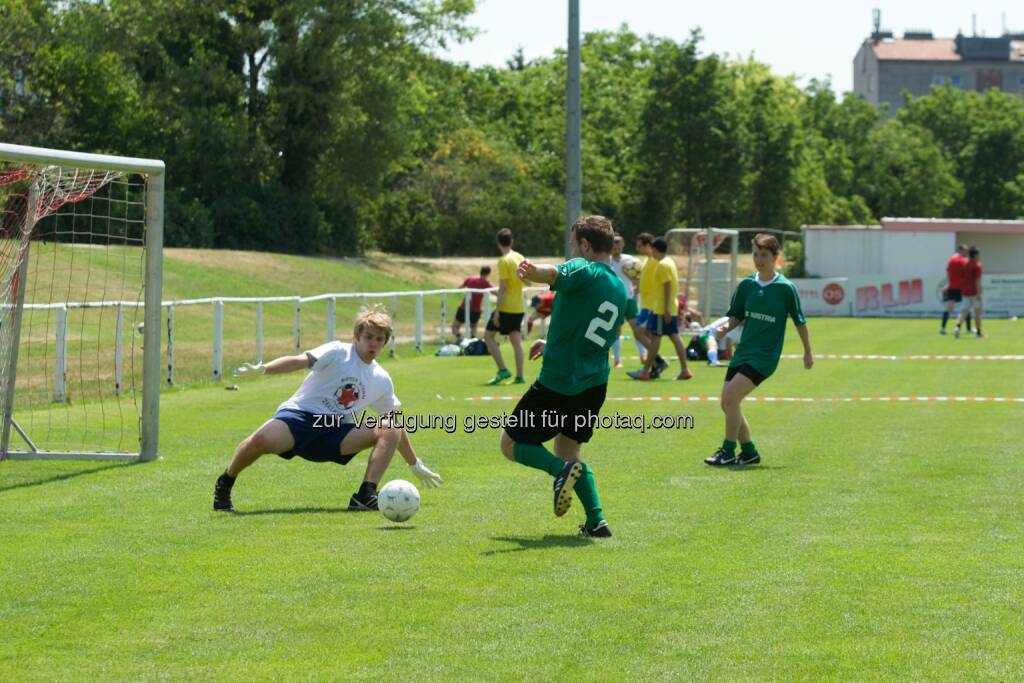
(508, 315)
(646, 287)
(663, 320)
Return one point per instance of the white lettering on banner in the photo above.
(908, 296)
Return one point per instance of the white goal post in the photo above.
(81, 259)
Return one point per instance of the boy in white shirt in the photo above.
(318, 422)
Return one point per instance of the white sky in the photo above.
(810, 39)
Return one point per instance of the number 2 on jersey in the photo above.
(599, 324)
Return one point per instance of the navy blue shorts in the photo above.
(656, 325)
(642, 317)
(317, 437)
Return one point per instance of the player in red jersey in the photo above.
(971, 293)
(952, 295)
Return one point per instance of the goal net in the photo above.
(706, 259)
(80, 283)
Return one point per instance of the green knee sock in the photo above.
(538, 458)
(586, 489)
(748, 447)
(729, 446)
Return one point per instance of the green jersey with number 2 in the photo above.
(585, 321)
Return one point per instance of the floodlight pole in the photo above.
(573, 164)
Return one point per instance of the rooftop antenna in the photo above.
(876, 19)
(1004, 24)
(974, 25)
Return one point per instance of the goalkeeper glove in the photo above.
(249, 369)
(427, 477)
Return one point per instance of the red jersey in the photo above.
(972, 276)
(476, 298)
(955, 271)
(547, 300)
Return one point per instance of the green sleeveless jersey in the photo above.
(763, 310)
(585, 320)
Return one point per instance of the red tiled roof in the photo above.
(935, 50)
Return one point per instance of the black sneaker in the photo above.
(748, 458)
(359, 503)
(564, 483)
(602, 530)
(222, 494)
(660, 364)
(721, 458)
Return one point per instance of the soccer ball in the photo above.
(631, 269)
(398, 500)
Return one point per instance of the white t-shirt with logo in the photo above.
(618, 265)
(340, 383)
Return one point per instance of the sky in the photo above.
(808, 39)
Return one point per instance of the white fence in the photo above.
(421, 326)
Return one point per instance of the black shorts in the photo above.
(952, 295)
(317, 437)
(507, 323)
(460, 316)
(547, 413)
(747, 371)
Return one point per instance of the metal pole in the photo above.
(150, 437)
(709, 258)
(118, 348)
(394, 324)
(61, 361)
(331, 327)
(218, 339)
(573, 163)
(170, 345)
(419, 322)
(259, 332)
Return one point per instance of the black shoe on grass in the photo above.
(602, 530)
(222, 494)
(365, 503)
(748, 458)
(564, 483)
(721, 458)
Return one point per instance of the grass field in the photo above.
(877, 540)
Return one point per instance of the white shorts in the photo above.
(970, 302)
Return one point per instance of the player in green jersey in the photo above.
(761, 303)
(565, 401)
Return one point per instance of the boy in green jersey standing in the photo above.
(761, 303)
(564, 403)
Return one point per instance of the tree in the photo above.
(983, 135)
(691, 133)
(904, 173)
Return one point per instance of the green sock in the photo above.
(729, 446)
(538, 458)
(586, 489)
(748, 447)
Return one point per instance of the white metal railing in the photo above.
(219, 303)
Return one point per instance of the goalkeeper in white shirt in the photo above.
(319, 422)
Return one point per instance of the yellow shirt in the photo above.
(647, 283)
(665, 271)
(507, 266)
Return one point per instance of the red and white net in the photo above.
(76, 258)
